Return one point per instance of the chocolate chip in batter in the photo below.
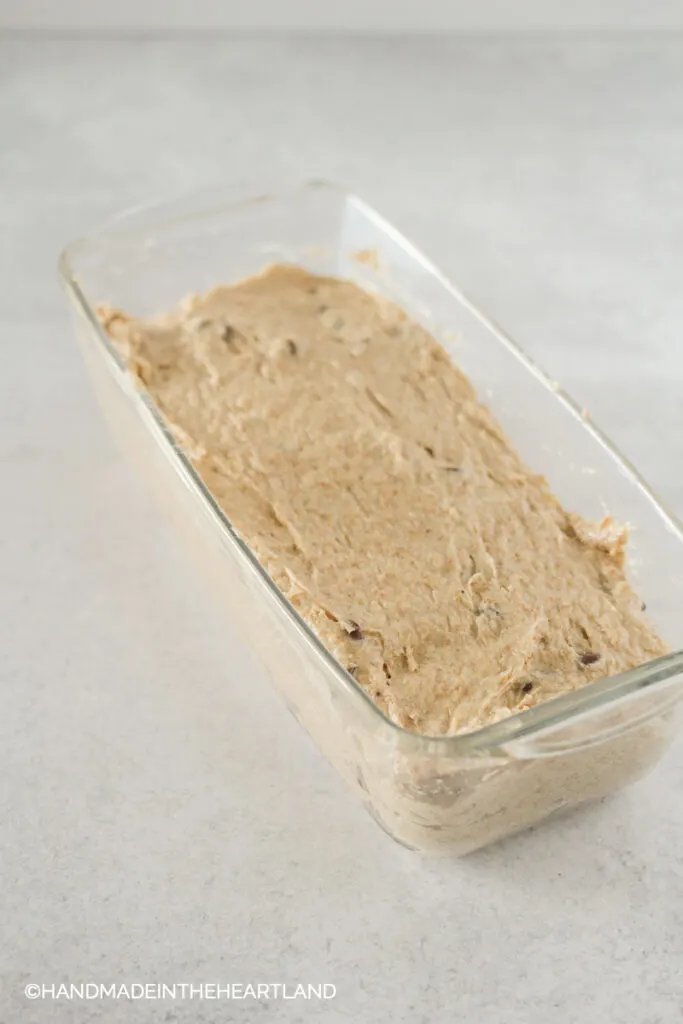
(589, 658)
(527, 687)
(292, 347)
(428, 448)
(228, 334)
(354, 630)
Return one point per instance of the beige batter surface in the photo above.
(354, 459)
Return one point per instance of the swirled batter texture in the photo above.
(382, 497)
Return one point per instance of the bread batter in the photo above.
(355, 460)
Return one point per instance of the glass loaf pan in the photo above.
(438, 794)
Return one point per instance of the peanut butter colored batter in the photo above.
(354, 459)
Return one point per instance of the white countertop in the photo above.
(166, 820)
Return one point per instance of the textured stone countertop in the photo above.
(164, 819)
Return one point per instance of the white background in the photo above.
(386, 16)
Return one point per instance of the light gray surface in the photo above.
(165, 819)
(387, 16)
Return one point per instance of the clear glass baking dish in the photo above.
(439, 794)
